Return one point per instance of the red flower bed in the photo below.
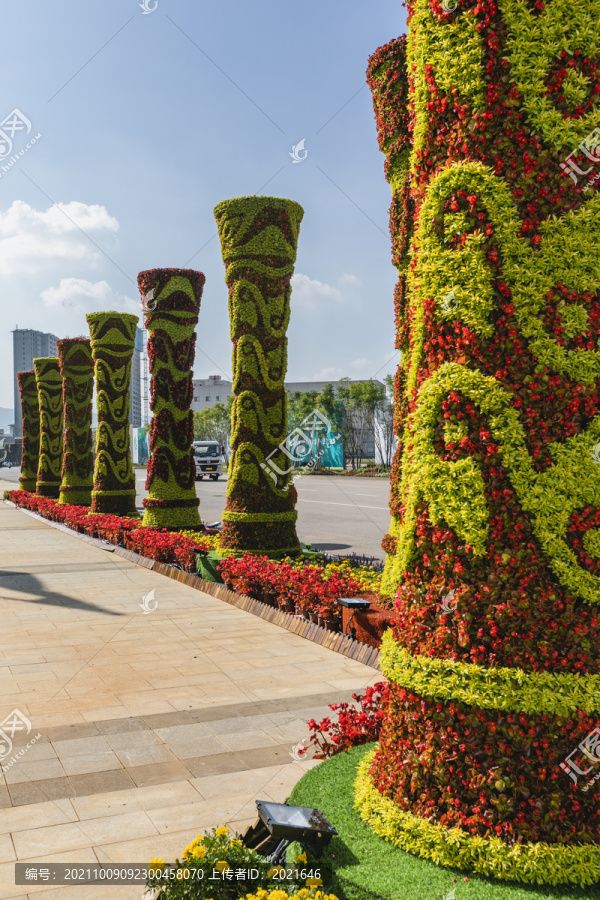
(353, 727)
(308, 589)
(154, 543)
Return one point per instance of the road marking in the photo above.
(333, 503)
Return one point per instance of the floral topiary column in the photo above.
(259, 236)
(490, 737)
(113, 342)
(77, 370)
(171, 317)
(49, 387)
(30, 450)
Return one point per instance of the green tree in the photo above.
(362, 400)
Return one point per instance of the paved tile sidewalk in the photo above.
(152, 727)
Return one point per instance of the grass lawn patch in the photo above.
(362, 865)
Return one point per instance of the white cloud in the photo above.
(53, 274)
(311, 294)
(31, 240)
(350, 280)
(87, 296)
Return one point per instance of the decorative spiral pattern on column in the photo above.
(77, 370)
(49, 387)
(113, 341)
(30, 449)
(171, 317)
(259, 236)
(494, 547)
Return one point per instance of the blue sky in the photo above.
(183, 107)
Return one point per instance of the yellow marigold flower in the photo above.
(221, 865)
(198, 852)
(314, 882)
(301, 858)
(279, 895)
(222, 830)
(157, 863)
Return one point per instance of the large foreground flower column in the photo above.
(77, 370)
(49, 386)
(30, 450)
(490, 734)
(171, 317)
(259, 237)
(113, 341)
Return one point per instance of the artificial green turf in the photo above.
(360, 865)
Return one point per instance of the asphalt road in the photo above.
(335, 513)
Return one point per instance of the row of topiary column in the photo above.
(259, 239)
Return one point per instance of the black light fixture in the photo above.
(356, 604)
(279, 824)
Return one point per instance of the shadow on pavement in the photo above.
(23, 581)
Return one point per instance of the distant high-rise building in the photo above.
(27, 346)
(135, 408)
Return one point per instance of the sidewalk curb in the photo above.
(343, 644)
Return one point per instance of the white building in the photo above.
(211, 390)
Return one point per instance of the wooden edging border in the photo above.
(331, 640)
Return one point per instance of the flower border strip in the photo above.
(510, 689)
(533, 863)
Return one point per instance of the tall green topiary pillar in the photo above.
(30, 412)
(258, 237)
(171, 317)
(113, 342)
(490, 739)
(49, 387)
(77, 370)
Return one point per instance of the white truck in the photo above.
(208, 457)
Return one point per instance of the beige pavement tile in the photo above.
(109, 829)
(34, 770)
(142, 798)
(133, 740)
(83, 746)
(144, 756)
(250, 781)
(247, 740)
(84, 763)
(189, 815)
(158, 773)
(203, 766)
(7, 850)
(119, 725)
(20, 818)
(167, 846)
(52, 839)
